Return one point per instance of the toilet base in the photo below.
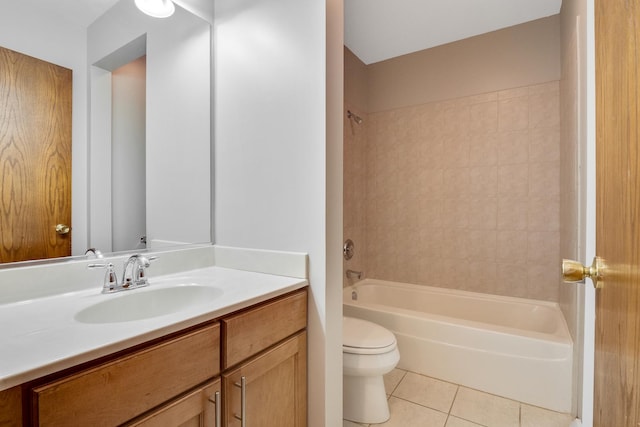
(364, 399)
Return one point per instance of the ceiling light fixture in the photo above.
(156, 8)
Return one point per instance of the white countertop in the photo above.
(41, 336)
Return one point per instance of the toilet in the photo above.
(368, 352)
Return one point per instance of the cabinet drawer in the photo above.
(254, 330)
(117, 391)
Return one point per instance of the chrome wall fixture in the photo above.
(348, 249)
(356, 118)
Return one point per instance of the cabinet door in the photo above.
(275, 388)
(200, 408)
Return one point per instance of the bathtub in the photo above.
(511, 347)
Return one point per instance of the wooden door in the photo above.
(275, 388)
(617, 358)
(35, 157)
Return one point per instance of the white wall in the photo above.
(276, 179)
(53, 39)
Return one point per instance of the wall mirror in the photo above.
(144, 161)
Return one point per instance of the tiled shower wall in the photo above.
(461, 193)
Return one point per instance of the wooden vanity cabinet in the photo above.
(191, 379)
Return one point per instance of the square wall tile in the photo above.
(513, 114)
(482, 213)
(482, 245)
(512, 247)
(512, 213)
(513, 147)
(455, 244)
(513, 180)
(456, 151)
(455, 213)
(483, 149)
(544, 145)
(430, 183)
(544, 179)
(483, 181)
(544, 281)
(483, 274)
(454, 273)
(456, 183)
(544, 214)
(544, 109)
(543, 247)
(483, 117)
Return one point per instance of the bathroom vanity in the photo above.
(237, 360)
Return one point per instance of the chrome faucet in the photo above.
(134, 271)
(352, 273)
(93, 253)
(133, 276)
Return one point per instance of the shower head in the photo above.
(355, 117)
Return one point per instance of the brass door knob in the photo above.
(62, 229)
(574, 271)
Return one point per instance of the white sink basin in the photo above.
(146, 303)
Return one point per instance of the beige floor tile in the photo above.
(486, 409)
(532, 416)
(404, 414)
(426, 391)
(458, 422)
(346, 423)
(392, 379)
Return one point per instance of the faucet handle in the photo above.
(110, 278)
(134, 275)
(140, 277)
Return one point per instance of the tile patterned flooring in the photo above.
(420, 401)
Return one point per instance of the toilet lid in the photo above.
(361, 334)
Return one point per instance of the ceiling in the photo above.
(376, 30)
(84, 12)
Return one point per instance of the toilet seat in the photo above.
(363, 337)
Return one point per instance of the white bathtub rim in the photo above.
(561, 334)
(445, 320)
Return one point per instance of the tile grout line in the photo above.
(398, 384)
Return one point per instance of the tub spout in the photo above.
(352, 273)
